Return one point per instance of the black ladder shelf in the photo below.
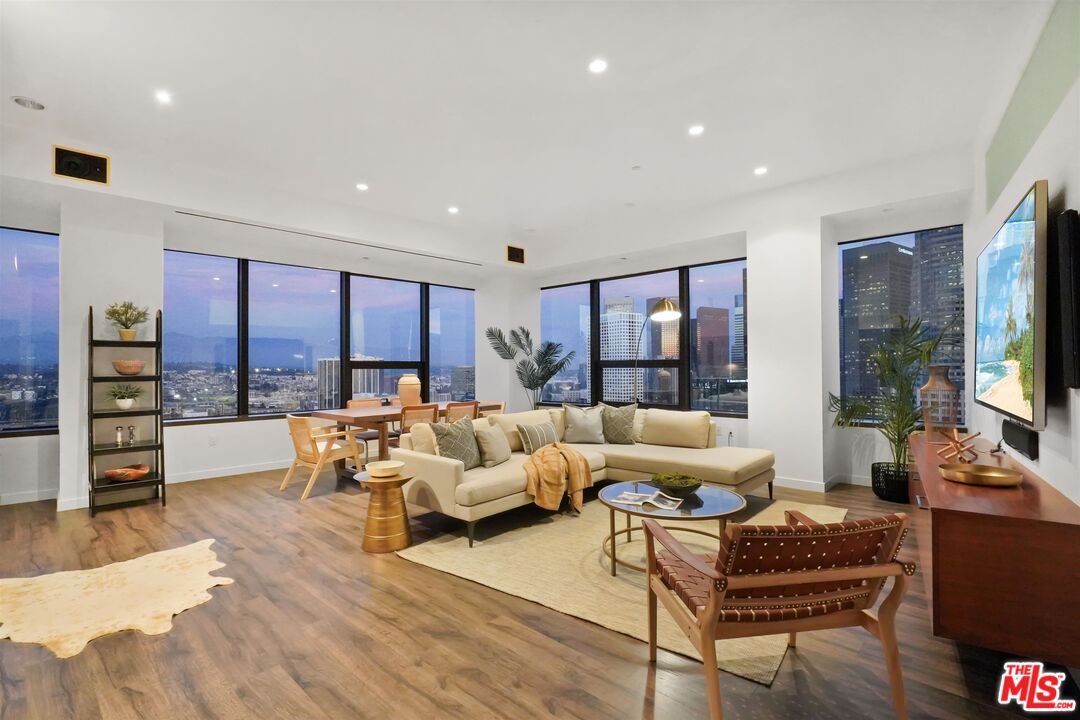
(102, 448)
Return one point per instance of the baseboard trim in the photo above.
(25, 496)
(801, 484)
(226, 471)
(861, 480)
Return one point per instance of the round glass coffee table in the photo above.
(709, 502)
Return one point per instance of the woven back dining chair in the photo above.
(458, 410)
(494, 411)
(792, 578)
(318, 446)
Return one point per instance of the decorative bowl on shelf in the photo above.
(129, 473)
(128, 367)
(676, 485)
(384, 468)
(988, 475)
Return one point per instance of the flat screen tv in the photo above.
(1010, 315)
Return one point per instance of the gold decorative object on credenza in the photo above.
(958, 447)
(988, 475)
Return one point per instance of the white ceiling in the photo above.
(490, 107)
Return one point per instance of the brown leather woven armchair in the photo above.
(770, 579)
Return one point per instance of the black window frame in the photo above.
(345, 352)
(41, 429)
(682, 364)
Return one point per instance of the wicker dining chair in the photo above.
(494, 411)
(458, 410)
(770, 579)
(367, 435)
(413, 414)
(318, 446)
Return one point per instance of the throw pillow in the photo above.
(619, 423)
(493, 445)
(457, 441)
(584, 425)
(509, 422)
(534, 437)
(676, 428)
(423, 439)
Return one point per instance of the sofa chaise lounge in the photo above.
(664, 441)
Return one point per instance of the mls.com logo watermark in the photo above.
(1034, 690)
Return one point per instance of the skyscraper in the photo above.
(738, 347)
(329, 372)
(619, 329)
(937, 290)
(663, 336)
(462, 383)
(713, 342)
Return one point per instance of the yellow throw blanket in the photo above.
(556, 470)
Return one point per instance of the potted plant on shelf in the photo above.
(125, 394)
(896, 363)
(126, 316)
(538, 364)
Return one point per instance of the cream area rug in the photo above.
(556, 560)
(65, 610)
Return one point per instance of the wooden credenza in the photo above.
(1006, 561)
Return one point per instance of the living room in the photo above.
(637, 248)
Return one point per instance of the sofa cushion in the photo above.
(486, 484)
(676, 428)
(593, 453)
(725, 465)
(583, 424)
(457, 441)
(534, 437)
(639, 423)
(423, 439)
(509, 423)
(492, 443)
(619, 423)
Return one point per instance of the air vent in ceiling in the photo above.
(515, 254)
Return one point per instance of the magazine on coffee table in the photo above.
(657, 498)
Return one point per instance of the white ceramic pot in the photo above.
(408, 387)
(125, 403)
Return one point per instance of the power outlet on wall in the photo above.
(211, 440)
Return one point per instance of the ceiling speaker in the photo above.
(80, 165)
(515, 254)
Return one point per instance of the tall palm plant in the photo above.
(897, 364)
(537, 364)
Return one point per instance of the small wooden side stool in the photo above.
(387, 526)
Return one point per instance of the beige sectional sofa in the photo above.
(665, 441)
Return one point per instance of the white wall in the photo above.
(29, 468)
(1055, 157)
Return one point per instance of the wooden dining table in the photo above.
(379, 418)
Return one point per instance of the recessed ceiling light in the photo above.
(453, 210)
(695, 130)
(362, 187)
(164, 97)
(863, 257)
(598, 66)
(28, 103)
(761, 170)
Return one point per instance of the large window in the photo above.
(200, 336)
(917, 275)
(294, 347)
(451, 344)
(29, 326)
(627, 334)
(696, 361)
(718, 337)
(565, 319)
(243, 338)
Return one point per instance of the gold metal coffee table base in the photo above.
(608, 543)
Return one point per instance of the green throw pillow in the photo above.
(457, 441)
(619, 424)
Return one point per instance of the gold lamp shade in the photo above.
(664, 310)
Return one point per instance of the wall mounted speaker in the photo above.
(515, 254)
(1025, 440)
(1068, 262)
(80, 165)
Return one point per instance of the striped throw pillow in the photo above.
(534, 437)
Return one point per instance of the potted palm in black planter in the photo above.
(896, 363)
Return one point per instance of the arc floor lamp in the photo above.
(662, 310)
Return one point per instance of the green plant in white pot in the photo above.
(126, 316)
(125, 394)
(897, 364)
(536, 365)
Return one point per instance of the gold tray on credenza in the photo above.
(987, 475)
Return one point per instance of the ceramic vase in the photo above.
(939, 401)
(125, 403)
(408, 387)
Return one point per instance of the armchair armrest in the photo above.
(794, 517)
(435, 479)
(654, 531)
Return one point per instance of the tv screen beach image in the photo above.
(1004, 330)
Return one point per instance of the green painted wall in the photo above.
(1050, 73)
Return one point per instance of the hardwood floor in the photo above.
(316, 628)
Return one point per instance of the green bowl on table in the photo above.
(676, 485)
